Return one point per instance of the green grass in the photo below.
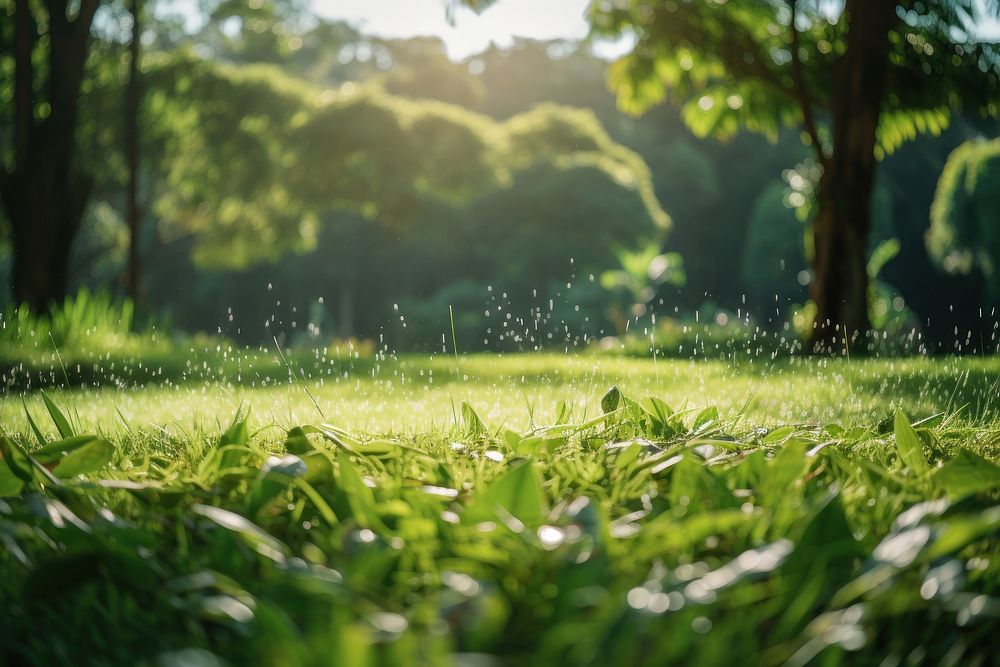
(503, 510)
(204, 386)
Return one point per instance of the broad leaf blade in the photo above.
(908, 445)
(58, 418)
(517, 491)
(967, 474)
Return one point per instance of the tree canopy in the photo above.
(769, 64)
(858, 79)
(252, 157)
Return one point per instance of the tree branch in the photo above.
(801, 91)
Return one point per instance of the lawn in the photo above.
(237, 507)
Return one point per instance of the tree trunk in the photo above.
(843, 222)
(45, 215)
(44, 195)
(133, 97)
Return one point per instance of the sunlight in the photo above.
(470, 33)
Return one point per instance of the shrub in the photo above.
(964, 237)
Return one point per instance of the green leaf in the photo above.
(276, 476)
(253, 535)
(62, 424)
(359, 496)
(882, 255)
(628, 456)
(26, 466)
(966, 474)
(54, 451)
(381, 448)
(31, 422)
(338, 436)
(908, 445)
(13, 473)
(656, 409)
(512, 438)
(563, 411)
(318, 501)
(236, 434)
(532, 444)
(612, 400)
(706, 418)
(517, 491)
(77, 455)
(783, 471)
(10, 485)
(473, 424)
(825, 549)
(960, 531)
(233, 456)
(297, 441)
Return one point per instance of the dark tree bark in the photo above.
(133, 98)
(44, 194)
(843, 221)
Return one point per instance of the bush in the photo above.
(964, 237)
(93, 319)
(87, 336)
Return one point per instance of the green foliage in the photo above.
(83, 319)
(292, 153)
(222, 131)
(964, 237)
(730, 65)
(779, 244)
(713, 333)
(887, 309)
(576, 137)
(687, 178)
(257, 31)
(642, 534)
(422, 70)
(636, 282)
(774, 255)
(558, 213)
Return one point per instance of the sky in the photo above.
(470, 33)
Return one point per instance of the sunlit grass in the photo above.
(418, 393)
(513, 511)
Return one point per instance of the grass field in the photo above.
(493, 510)
(204, 387)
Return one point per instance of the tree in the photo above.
(133, 98)
(964, 238)
(252, 163)
(257, 31)
(43, 190)
(858, 77)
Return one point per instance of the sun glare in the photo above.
(468, 33)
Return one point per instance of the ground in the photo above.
(509, 509)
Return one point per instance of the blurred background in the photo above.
(413, 173)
